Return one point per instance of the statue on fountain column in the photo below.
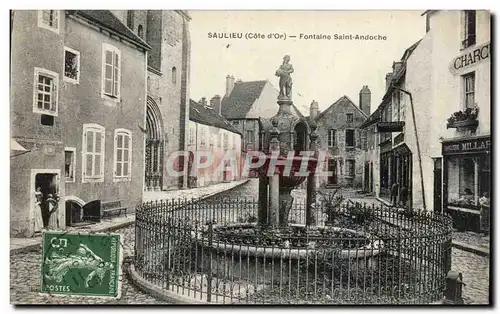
(283, 73)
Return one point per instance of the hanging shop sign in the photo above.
(475, 145)
(470, 58)
(393, 126)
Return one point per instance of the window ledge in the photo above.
(70, 80)
(93, 180)
(117, 179)
(467, 210)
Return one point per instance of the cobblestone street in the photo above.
(476, 273)
(25, 271)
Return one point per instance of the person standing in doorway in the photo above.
(394, 194)
(53, 204)
(38, 210)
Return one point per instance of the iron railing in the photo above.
(214, 250)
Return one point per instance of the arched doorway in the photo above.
(154, 147)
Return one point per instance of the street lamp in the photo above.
(419, 156)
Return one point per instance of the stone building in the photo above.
(214, 144)
(167, 112)
(78, 95)
(390, 159)
(245, 103)
(342, 140)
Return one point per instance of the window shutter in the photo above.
(115, 156)
(116, 73)
(101, 173)
(84, 153)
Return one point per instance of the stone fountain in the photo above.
(290, 146)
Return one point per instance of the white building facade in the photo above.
(448, 76)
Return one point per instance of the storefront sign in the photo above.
(470, 58)
(394, 126)
(467, 146)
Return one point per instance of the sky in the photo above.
(325, 70)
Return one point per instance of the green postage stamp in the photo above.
(81, 264)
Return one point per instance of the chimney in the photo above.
(239, 81)
(203, 102)
(215, 103)
(388, 80)
(229, 84)
(365, 99)
(427, 22)
(313, 109)
(396, 66)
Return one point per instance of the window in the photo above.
(469, 29)
(191, 136)
(250, 137)
(202, 136)
(226, 140)
(45, 92)
(71, 65)
(130, 19)
(111, 71)
(236, 122)
(49, 19)
(93, 153)
(331, 138)
(350, 138)
(219, 142)
(350, 168)
(140, 32)
(349, 117)
(122, 154)
(69, 164)
(174, 75)
(469, 86)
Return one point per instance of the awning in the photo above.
(16, 148)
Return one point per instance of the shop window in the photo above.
(463, 181)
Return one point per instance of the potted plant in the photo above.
(464, 118)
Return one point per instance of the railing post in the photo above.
(209, 277)
(453, 292)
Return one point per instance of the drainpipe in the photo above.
(419, 155)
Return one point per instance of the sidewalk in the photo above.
(18, 245)
(202, 192)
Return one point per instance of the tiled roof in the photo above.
(238, 103)
(108, 20)
(201, 114)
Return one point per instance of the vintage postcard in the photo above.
(250, 157)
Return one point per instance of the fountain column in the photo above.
(263, 202)
(274, 180)
(312, 181)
